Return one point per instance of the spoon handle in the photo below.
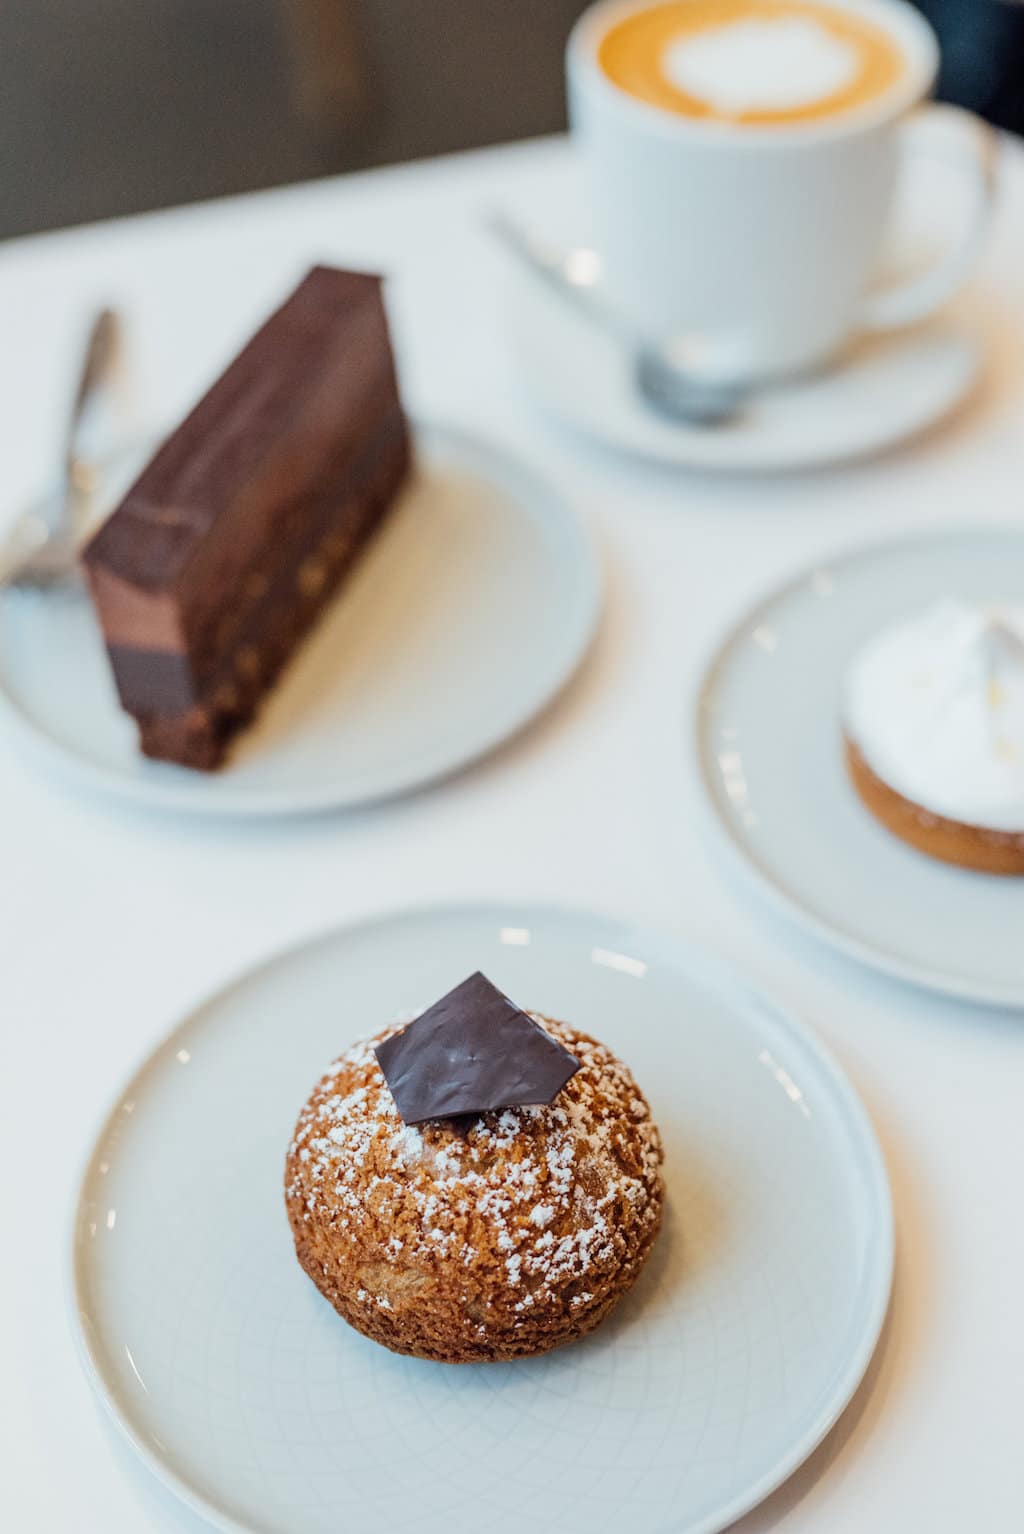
(574, 286)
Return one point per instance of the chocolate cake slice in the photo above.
(227, 548)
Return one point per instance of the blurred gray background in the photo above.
(110, 106)
(113, 105)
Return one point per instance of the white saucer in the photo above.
(769, 742)
(883, 392)
(746, 1337)
(472, 608)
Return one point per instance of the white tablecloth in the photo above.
(112, 922)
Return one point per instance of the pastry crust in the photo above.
(505, 1235)
(951, 841)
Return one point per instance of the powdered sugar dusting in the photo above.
(539, 1196)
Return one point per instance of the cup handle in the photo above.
(971, 147)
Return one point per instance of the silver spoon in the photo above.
(672, 376)
(41, 551)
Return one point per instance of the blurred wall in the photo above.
(109, 106)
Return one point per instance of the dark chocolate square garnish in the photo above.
(471, 1052)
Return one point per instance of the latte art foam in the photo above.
(751, 61)
(761, 66)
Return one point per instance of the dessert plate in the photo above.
(735, 1354)
(469, 612)
(769, 746)
(879, 394)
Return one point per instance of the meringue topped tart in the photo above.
(933, 716)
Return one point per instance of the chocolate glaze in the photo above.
(244, 516)
(296, 388)
(153, 680)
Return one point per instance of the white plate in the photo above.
(882, 392)
(467, 614)
(744, 1340)
(769, 743)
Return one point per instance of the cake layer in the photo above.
(300, 383)
(199, 736)
(229, 543)
(289, 568)
(185, 555)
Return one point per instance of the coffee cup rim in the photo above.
(910, 26)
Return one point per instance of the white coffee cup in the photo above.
(761, 241)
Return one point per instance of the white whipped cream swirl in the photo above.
(935, 704)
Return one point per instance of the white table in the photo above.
(112, 922)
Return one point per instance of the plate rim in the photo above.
(699, 964)
(955, 327)
(920, 976)
(585, 608)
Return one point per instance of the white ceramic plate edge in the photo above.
(702, 455)
(584, 611)
(714, 971)
(774, 464)
(937, 980)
